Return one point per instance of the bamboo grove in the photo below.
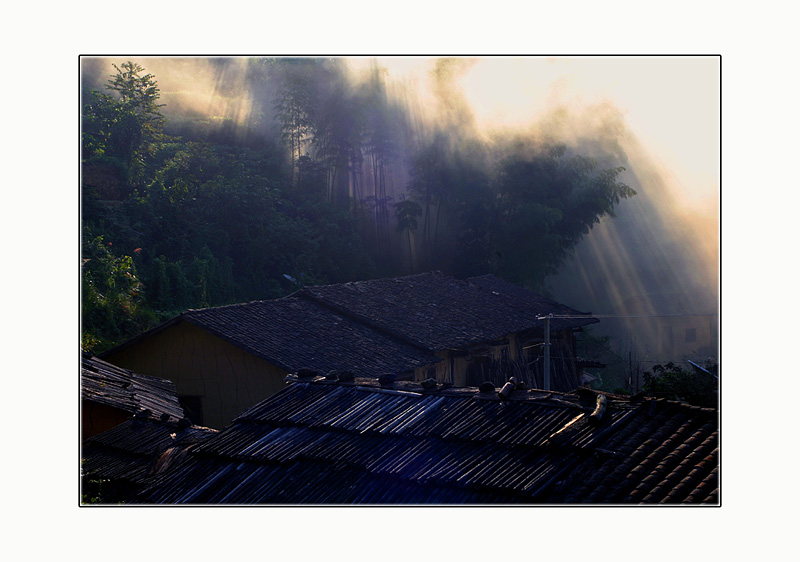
(331, 179)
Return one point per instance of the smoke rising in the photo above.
(663, 243)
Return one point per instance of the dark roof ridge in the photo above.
(501, 306)
(306, 288)
(539, 296)
(432, 273)
(239, 304)
(305, 293)
(530, 396)
(414, 388)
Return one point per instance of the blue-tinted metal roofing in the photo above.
(317, 442)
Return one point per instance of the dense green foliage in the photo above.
(519, 217)
(126, 127)
(192, 216)
(669, 381)
(111, 295)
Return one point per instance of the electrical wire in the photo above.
(589, 316)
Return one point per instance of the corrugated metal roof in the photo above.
(138, 449)
(132, 392)
(324, 443)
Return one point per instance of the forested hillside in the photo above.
(187, 213)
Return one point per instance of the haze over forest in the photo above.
(592, 180)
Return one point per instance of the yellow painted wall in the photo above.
(97, 418)
(227, 379)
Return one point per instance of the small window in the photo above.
(192, 408)
(691, 335)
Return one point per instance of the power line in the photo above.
(589, 316)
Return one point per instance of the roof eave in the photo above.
(140, 337)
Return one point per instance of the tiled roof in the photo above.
(107, 384)
(525, 304)
(130, 453)
(381, 326)
(441, 312)
(332, 443)
(296, 333)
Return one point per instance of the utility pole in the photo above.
(547, 351)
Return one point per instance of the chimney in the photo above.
(508, 388)
(599, 410)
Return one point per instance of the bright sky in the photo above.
(671, 104)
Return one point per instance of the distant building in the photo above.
(460, 332)
(661, 328)
(324, 441)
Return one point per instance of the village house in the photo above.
(427, 326)
(670, 327)
(328, 441)
(225, 359)
(110, 395)
(481, 328)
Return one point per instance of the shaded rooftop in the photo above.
(324, 442)
(129, 454)
(126, 390)
(296, 333)
(380, 326)
(440, 312)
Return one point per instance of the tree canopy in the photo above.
(176, 218)
(127, 124)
